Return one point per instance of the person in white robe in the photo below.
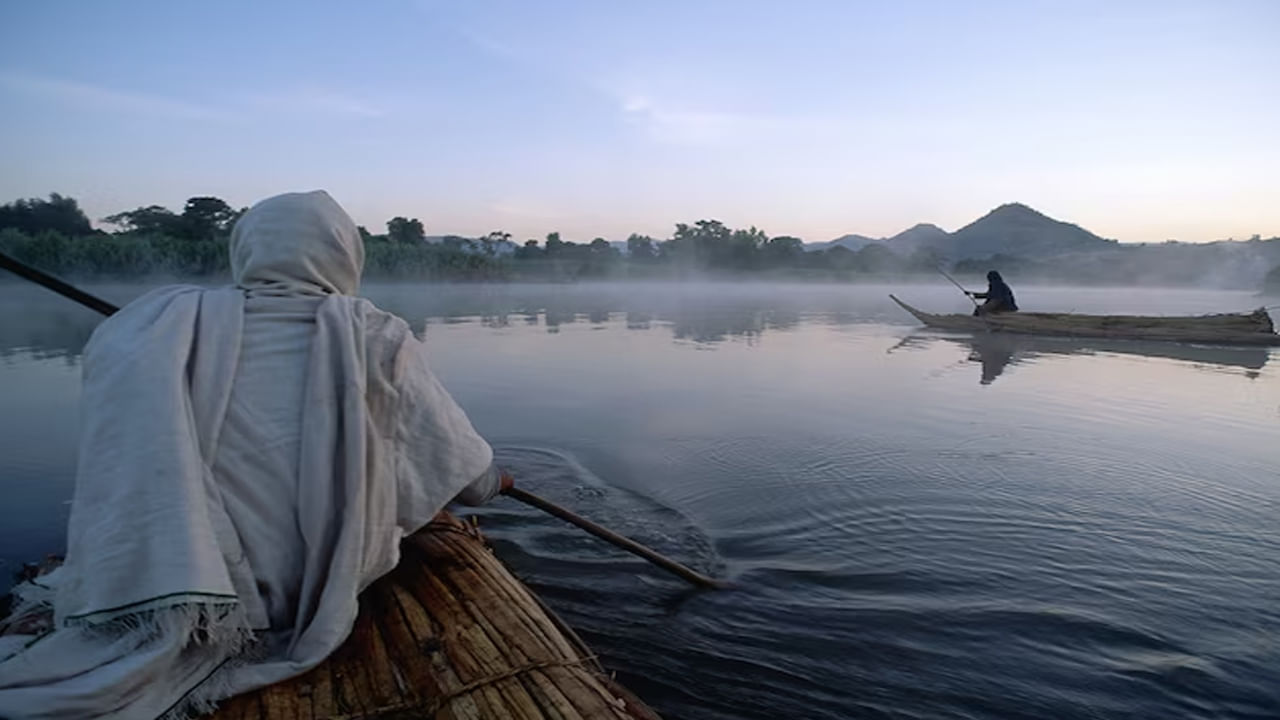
(250, 458)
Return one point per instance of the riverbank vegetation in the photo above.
(55, 235)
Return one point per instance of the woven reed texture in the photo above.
(450, 633)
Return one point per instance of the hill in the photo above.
(1015, 229)
(1011, 229)
(923, 235)
(849, 242)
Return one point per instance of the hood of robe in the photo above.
(297, 244)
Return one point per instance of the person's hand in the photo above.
(505, 481)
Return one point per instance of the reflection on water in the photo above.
(995, 352)
(38, 323)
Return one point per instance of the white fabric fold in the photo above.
(228, 512)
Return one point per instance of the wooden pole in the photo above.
(523, 496)
(953, 282)
(610, 536)
(40, 278)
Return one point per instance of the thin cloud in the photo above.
(712, 127)
(314, 100)
(96, 97)
(660, 122)
(103, 98)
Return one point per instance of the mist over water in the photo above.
(920, 525)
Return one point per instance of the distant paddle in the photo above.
(70, 291)
(953, 282)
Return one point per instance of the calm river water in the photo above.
(920, 525)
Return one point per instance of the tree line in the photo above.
(56, 235)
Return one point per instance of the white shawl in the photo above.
(157, 607)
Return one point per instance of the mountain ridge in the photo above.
(1010, 229)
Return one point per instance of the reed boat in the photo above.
(450, 634)
(1253, 328)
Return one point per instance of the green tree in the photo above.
(404, 230)
(58, 214)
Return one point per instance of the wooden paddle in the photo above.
(610, 536)
(70, 291)
(953, 282)
(40, 278)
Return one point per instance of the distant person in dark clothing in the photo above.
(999, 298)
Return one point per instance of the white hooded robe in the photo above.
(250, 458)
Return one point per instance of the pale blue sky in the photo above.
(1140, 121)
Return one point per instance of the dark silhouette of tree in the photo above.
(691, 245)
(782, 251)
(58, 214)
(641, 249)
(601, 258)
(202, 218)
(496, 243)
(206, 218)
(529, 251)
(150, 220)
(708, 244)
(369, 237)
(404, 230)
(554, 246)
(742, 250)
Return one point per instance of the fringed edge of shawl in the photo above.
(218, 622)
(199, 619)
(30, 611)
(203, 697)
